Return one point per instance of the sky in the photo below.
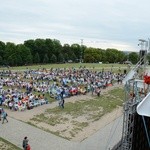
(98, 23)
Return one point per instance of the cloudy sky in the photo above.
(100, 23)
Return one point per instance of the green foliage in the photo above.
(36, 58)
(53, 59)
(2, 48)
(46, 59)
(42, 50)
(75, 48)
(60, 58)
(73, 57)
(1, 60)
(66, 57)
(133, 57)
(25, 54)
(114, 56)
(92, 55)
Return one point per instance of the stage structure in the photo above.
(136, 120)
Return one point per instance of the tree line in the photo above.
(43, 51)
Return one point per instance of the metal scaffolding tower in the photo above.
(133, 96)
(129, 112)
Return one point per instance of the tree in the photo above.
(120, 56)
(2, 49)
(92, 55)
(76, 49)
(25, 53)
(49, 47)
(133, 57)
(29, 59)
(41, 48)
(88, 58)
(19, 60)
(66, 49)
(57, 48)
(53, 59)
(66, 57)
(60, 58)
(46, 59)
(31, 45)
(10, 50)
(73, 57)
(36, 58)
(68, 53)
(1, 60)
(112, 55)
(12, 60)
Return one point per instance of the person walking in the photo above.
(25, 143)
(62, 103)
(4, 115)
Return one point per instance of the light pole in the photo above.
(81, 51)
(143, 51)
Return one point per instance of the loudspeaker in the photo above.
(142, 53)
(125, 71)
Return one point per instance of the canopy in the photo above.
(143, 107)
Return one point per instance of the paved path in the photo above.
(15, 131)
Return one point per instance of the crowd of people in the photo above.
(21, 90)
(17, 87)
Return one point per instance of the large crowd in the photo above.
(20, 90)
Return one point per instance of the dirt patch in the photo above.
(5, 145)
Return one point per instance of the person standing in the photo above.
(62, 103)
(25, 143)
(4, 115)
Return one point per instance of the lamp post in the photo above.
(81, 51)
(143, 51)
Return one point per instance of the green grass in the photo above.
(68, 65)
(5, 145)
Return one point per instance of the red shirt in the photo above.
(28, 147)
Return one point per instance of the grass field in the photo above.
(95, 66)
(5, 145)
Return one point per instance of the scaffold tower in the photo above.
(135, 91)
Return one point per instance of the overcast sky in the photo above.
(100, 23)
